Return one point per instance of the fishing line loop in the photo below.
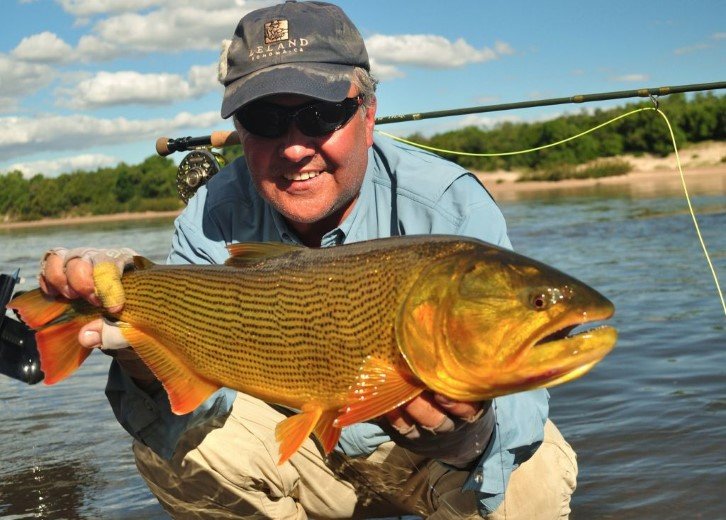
(657, 109)
(656, 102)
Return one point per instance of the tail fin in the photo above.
(57, 324)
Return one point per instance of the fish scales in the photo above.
(300, 328)
(343, 334)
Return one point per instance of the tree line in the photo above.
(701, 118)
(151, 185)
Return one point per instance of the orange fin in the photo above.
(186, 389)
(326, 432)
(59, 350)
(248, 253)
(293, 431)
(36, 309)
(380, 388)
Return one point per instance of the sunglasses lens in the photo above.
(314, 120)
(321, 118)
(264, 119)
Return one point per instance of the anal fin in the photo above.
(326, 432)
(293, 431)
(379, 388)
(186, 389)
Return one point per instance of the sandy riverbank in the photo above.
(703, 166)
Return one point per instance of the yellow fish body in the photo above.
(343, 334)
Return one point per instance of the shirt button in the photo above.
(478, 477)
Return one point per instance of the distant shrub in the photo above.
(603, 168)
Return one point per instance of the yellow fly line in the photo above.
(572, 138)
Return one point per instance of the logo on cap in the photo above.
(276, 31)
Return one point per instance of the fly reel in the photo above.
(195, 170)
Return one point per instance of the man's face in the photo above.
(312, 181)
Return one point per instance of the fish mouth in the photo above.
(566, 354)
(566, 334)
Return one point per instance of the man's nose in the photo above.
(296, 146)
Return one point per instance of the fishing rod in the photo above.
(166, 146)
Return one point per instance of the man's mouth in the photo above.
(295, 176)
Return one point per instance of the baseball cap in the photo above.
(306, 48)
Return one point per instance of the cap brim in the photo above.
(329, 82)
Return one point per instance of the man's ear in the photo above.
(370, 120)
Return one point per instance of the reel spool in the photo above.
(195, 170)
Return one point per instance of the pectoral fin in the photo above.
(186, 389)
(379, 388)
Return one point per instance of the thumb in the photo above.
(90, 334)
(102, 334)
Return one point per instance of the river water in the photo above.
(648, 423)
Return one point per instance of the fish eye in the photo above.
(539, 301)
(542, 298)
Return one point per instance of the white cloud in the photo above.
(21, 136)
(428, 50)
(18, 78)
(86, 8)
(45, 47)
(503, 48)
(54, 167)
(89, 8)
(718, 36)
(631, 78)
(388, 52)
(91, 48)
(691, 48)
(176, 25)
(384, 71)
(203, 79)
(131, 87)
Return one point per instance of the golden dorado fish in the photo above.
(342, 334)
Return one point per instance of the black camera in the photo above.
(19, 356)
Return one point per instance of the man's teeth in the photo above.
(301, 176)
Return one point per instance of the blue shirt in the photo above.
(405, 191)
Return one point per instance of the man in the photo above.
(302, 99)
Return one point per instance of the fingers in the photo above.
(462, 409)
(421, 411)
(72, 279)
(69, 273)
(433, 412)
(52, 279)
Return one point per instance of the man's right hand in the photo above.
(69, 273)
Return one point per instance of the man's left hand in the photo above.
(455, 432)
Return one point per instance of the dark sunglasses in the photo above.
(314, 119)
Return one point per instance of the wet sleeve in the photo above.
(147, 416)
(518, 431)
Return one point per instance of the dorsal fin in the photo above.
(141, 262)
(246, 253)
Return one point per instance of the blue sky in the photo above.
(88, 83)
